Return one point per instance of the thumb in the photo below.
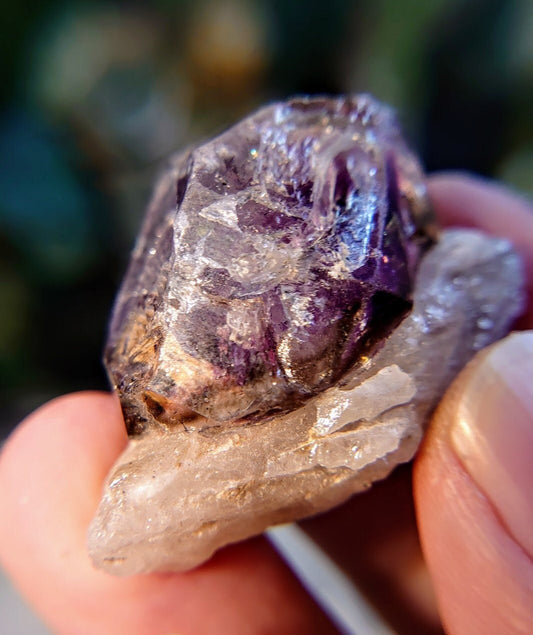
(474, 493)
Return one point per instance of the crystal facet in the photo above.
(265, 346)
(272, 258)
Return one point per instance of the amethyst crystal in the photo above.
(273, 258)
(281, 337)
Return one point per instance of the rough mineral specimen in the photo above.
(265, 346)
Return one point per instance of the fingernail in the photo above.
(492, 431)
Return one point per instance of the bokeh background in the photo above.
(95, 95)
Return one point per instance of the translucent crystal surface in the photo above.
(273, 257)
(284, 330)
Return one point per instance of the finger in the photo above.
(473, 491)
(466, 201)
(356, 534)
(373, 539)
(51, 474)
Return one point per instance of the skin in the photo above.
(53, 466)
(482, 575)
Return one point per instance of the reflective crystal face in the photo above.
(272, 259)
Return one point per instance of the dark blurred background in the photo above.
(95, 95)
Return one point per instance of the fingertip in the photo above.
(482, 574)
(459, 196)
(51, 471)
(464, 200)
(80, 433)
(51, 475)
(86, 413)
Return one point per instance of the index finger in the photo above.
(51, 474)
(467, 201)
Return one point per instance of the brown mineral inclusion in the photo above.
(272, 259)
(286, 325)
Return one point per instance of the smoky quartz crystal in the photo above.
(289, 319)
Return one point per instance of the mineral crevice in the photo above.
(289, 320)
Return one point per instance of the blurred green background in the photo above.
(95, 95)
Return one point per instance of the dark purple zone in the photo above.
(346, 317)
(313, 326)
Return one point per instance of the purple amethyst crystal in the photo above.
(272, 259)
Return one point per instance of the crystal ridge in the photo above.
(272, 259)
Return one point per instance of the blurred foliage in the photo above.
(95, 95)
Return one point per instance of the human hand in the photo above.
(473, 478)
(473, 522)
